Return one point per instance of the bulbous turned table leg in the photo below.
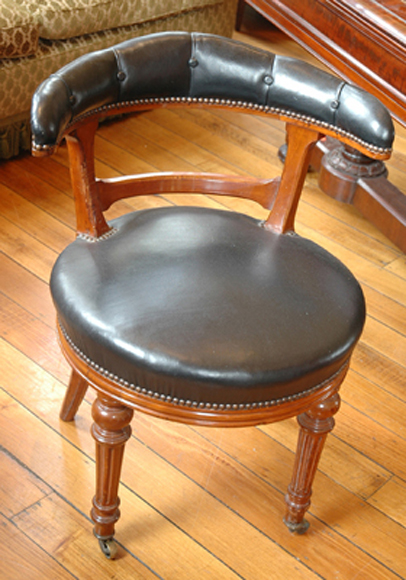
(341, 169)
(351, 177)
(110, 430)
(315, 425)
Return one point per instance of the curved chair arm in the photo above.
(202, 68)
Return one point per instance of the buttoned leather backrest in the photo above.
(205, 68)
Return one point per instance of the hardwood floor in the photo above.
(196, 503)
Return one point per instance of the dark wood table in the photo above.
(363, 41)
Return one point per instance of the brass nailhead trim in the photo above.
(93, 239)
(226, 103)
(188, 403)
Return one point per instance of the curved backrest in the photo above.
(192, 67)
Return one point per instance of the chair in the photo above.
(198, 315)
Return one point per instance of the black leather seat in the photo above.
(204, 307)
(200, 315)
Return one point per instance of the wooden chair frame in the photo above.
(114, 406)
(116, 401)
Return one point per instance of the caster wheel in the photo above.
(109, 548)
(297, 528)
(283, 149)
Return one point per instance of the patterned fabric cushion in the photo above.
(20, 77)
(18, 30)
(23, 21)
(60, 19)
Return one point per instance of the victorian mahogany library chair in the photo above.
(198, 315)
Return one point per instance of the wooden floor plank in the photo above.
(380, 370)
(226, 131)
(49, 169)
(32, 188)
(160, 126)
(124, 160)
(19, 487)
(385, 340)
(390, 499)
(36, 222)
(376, 402)
(372, 439)
(22, 559)
(344, 213)
(385, 310)
(184, 132)
(32, 337)
(372, 250)
(269, 133)
(398, 267)
(383, 281)
(147, 151)
(14, 282)
(26, 250)
(223, 147)
(64, 533)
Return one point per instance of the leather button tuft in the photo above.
(335, 104)
(121, 75)
(193, 62)
(268, 80)
(72, 100)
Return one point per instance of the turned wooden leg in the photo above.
(74, 396)
(315, 425)
(111, 430)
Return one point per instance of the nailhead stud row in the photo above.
(187, 402)
(226, 103)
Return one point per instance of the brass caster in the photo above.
(109, 548)
(297, 527)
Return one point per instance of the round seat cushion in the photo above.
(201, 306)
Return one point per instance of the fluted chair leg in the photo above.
(110, 430)
(74, 396)
(315, 424)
